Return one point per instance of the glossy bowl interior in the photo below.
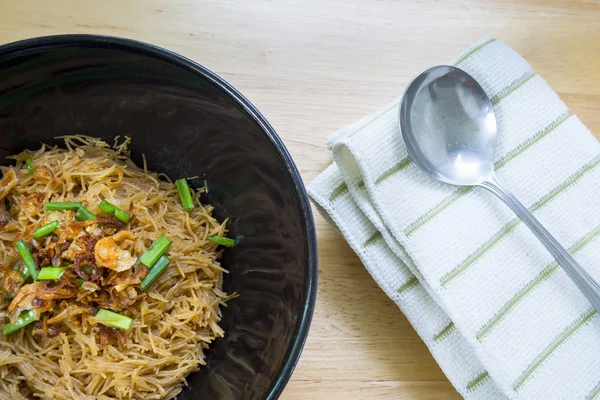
(187, 122)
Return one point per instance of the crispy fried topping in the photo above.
(111, 335)
(97, 252)
(8, 182)
(27, 299)
(111, 252)
(10, 282)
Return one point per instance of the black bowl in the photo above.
(187, 121)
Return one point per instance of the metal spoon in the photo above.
(449, 128)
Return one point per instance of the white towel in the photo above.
(497, 313)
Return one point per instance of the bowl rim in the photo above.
(147, 49)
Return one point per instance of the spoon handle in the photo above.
(587, 284)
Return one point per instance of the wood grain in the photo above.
(313, 66)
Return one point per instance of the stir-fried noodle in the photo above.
(69, 351)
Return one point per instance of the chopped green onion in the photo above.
(223, 241)
(122, 216)
(161, 265)
(29, 166)
(83, 214)
(184, 194)
(107, 207)
(111, 209)
(28, 259)
(156, 250)
(50, 273)
(80, 281)
(26, 318)
(62, 205)
(113, 319)
(24, 272)
(46, 229)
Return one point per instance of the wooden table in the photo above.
(313, 66)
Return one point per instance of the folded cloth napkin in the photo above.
(498, 314)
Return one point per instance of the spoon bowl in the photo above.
(449, 126)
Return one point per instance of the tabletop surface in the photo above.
(313, 66)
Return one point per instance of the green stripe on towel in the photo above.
(412, 282)
(481, 250)
(429, 215)
(396, 168)
(594, 393)
(558, 340)
(448, 329)
(474, 50)
(512, 87)
(478, 381)
(338, 191)
(531, 141)
(375, 237)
